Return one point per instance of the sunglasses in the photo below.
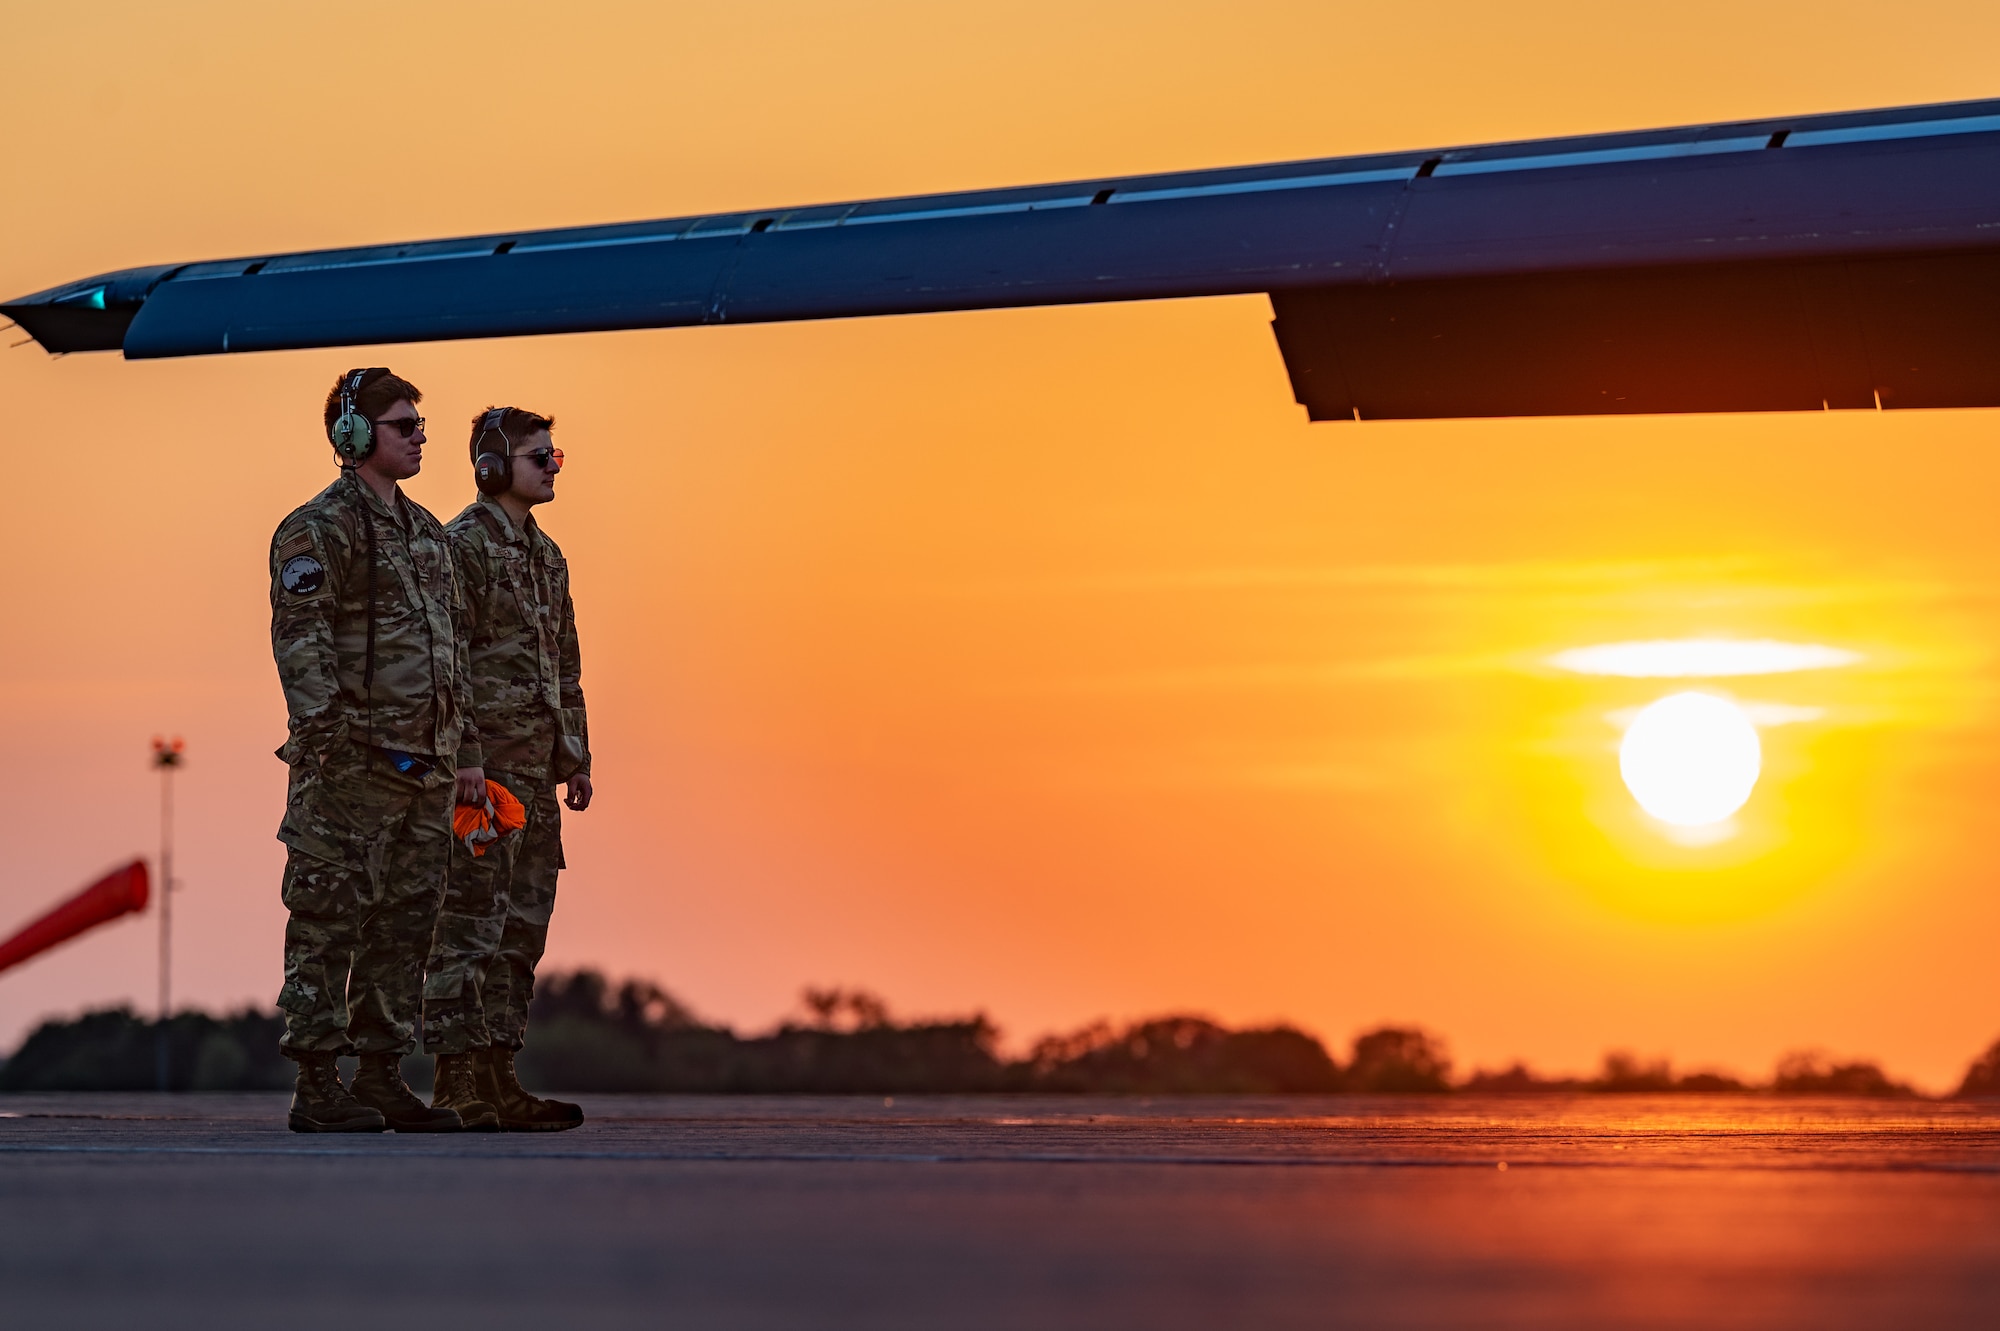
(548, 459)
(404, 426)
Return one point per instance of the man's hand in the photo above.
(471, 785)
(578, 797)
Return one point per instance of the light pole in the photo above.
(167, 758)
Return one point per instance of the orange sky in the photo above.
(1041, 661)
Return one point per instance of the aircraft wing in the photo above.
(1808, 263)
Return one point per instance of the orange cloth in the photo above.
(479, 825)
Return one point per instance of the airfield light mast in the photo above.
(167, 758)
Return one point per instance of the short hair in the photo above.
(515, 426)
(379, 391)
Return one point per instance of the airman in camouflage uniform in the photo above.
(364, 600)
(528, 702)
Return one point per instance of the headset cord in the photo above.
(368, 667)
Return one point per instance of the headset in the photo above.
(353, 435)
(493, 472)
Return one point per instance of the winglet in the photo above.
(91, 315)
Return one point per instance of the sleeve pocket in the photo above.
(572, 742)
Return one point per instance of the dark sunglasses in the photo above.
(404, 426)
(548, 459)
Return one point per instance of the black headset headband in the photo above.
(494, 421)
(350, 387)
(493, 470)
(339, 432)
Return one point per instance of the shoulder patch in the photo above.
(302, 575)
(298, 544)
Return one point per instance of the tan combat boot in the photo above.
(379, 1085)
(519, 1111)
(321, 1104)
(457, 1088)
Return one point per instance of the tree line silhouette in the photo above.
(588, 1034)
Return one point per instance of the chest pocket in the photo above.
(534, 614)
(518, 610)
(410, 574)
(558, 574)
(433, 578)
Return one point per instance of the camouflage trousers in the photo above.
(493, 929)
(364, 876)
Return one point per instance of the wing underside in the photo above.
(1829, 262)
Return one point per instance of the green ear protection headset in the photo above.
(493, 472)
(353, 435)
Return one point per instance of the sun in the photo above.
(1691, 759)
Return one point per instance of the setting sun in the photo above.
(1691, 759)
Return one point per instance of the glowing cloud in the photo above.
(1701, 658)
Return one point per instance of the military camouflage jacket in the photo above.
(417, 698)
(521, 626)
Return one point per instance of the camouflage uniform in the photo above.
(366, 845)
(529, 705)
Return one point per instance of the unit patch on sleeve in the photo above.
(302, 575)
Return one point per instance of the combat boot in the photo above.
(519, 1111)
(458, 1089)
(379, 1085)
(321, 1104)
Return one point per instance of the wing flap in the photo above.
(1893, 332)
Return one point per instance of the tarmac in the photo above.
(1011, 1212)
